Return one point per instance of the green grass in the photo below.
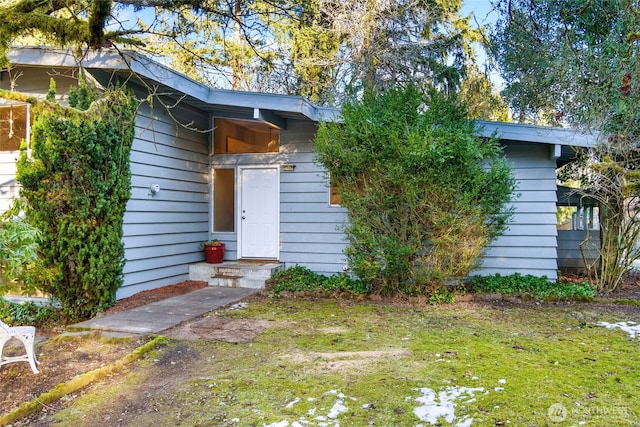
(374, 364)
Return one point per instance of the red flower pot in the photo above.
(214, 253)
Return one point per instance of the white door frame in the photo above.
(239, 213)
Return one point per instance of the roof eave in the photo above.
(533, 133)
(150, 70)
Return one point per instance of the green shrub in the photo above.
(300, 279)
(442, 295)
(19, 242)
(533, 286)
(424, 195)
(76, 179)
(28, 313)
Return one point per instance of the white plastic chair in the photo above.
(27, 335)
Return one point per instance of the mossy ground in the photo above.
(351, 363)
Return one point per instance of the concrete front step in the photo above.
(234, 274)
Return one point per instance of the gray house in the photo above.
(237, 166)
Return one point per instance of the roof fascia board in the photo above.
(106, 59)
(533, 133)
(110, 59)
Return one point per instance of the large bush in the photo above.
(76, 180)
(424, 195)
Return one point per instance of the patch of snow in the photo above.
(632, 328)
(329, 419)
(293, 402)
(498, 388)
(442, 404)
(502, 381)
(238, 306)
(464, 422)
(339, 407)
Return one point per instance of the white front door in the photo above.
(259, 213)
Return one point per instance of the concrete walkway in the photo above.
(162, 315)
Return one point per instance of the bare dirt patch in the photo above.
(345, 361)
(60, 360)
(219, 329)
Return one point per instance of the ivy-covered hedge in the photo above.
(77, 182)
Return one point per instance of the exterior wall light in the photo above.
(154, 189)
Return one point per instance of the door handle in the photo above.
(244, 217)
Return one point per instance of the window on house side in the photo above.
(223, 200)
(243, 136)
(334, 195)
(13, 126)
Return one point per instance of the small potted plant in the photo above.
(213, 251)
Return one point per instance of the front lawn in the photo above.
(348, 363)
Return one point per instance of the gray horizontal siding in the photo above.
(152, 216)
(171, 238)
(336, 217)
(315, 237)
(9, 188)
(529, 246)
(317, 187)
(310, 230)
(535, 219)
(540, 184)
(162, 233)
(35, 81)
(312, 227)
(146, 228)
(533, 242)
(524, 229)
(569, 255)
